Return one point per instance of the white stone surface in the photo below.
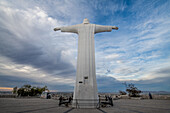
(86, 86)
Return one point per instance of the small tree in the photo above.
(21, 92)
(28, 90)
(133, 91)
(122, 92)
(14, 90)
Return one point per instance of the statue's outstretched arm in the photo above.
(71, 29)
(101, 28)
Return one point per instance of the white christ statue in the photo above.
(85, 90)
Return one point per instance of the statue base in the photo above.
(85, 103)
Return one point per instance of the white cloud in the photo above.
(10, 68)
(132, 53)
(112, 56)
(142, 45)
(34, 27)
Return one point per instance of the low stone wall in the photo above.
(156, 97)
(8, 96)
(124, 97)
(161, 97)
(145, 96)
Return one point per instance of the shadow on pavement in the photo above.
(36, 110)
(68, 110)
(101, 110)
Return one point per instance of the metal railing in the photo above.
(88, 103)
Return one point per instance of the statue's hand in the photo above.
(114, 27)
(56, 29)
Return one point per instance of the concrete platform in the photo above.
(36, 105)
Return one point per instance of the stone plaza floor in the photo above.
(37, 105)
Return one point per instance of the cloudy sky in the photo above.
(32, 53)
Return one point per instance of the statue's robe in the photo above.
(86, 86)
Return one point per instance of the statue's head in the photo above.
(85, 21)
